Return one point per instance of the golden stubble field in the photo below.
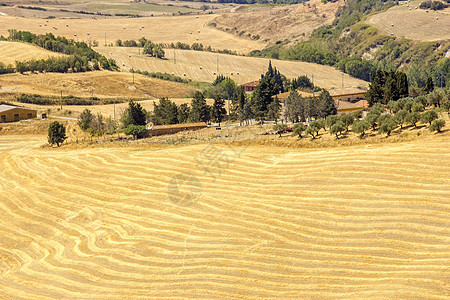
(415, 24)
(12, 52)
(102, 84)
(157, 29)
(201, 66)
(224, 221)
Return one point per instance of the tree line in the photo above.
(387, 86)
(178, 45)
(262, 105)
(405, 112)
(81, 57)
(163, 76)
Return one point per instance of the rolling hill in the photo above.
(201, 66)
(416, 24)
(102, 84)
(157, 29)
(10, 52)
(291, 23)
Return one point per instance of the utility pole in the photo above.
(60, 100)
(342, 80)
(132, 71)
(312, 79)
(217, 64)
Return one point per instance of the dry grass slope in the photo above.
(10, 52)
(249, 68)
(104, 84)
(279, 23)
(415, 24)
(356, 222)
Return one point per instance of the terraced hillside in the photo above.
(10, 52)
(214, 221)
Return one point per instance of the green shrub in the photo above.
(137, 131)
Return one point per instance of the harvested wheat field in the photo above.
(157, 29)
(278, 22)
(102, 84)
(10, 52)
(415, 24)
(201, 66)
(223, 221)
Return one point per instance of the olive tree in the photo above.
(413, 118)
(360, 127)
(437, 125)
(347, 120)
(337, 128)
(429, 116)
(387, 125)
(401, 117)
(298, 129)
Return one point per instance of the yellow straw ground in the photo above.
(10, 52)
(218, 221)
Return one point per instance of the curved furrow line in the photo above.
(338, 272)
(104, 223)
(306, 178)
(221, 179)
(168, 237)
(261, 286)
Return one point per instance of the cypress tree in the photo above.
(200, 110)
(402, 85)
(326, 105)
(134, 115)
(218, 110)
(376, 88)
(390, 88)
(430, 85)
(240, 95)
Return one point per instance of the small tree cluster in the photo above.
(134, 120)
(387, 86)
(298, 108)
(96, 125)
(301, 82)
(153, 49)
